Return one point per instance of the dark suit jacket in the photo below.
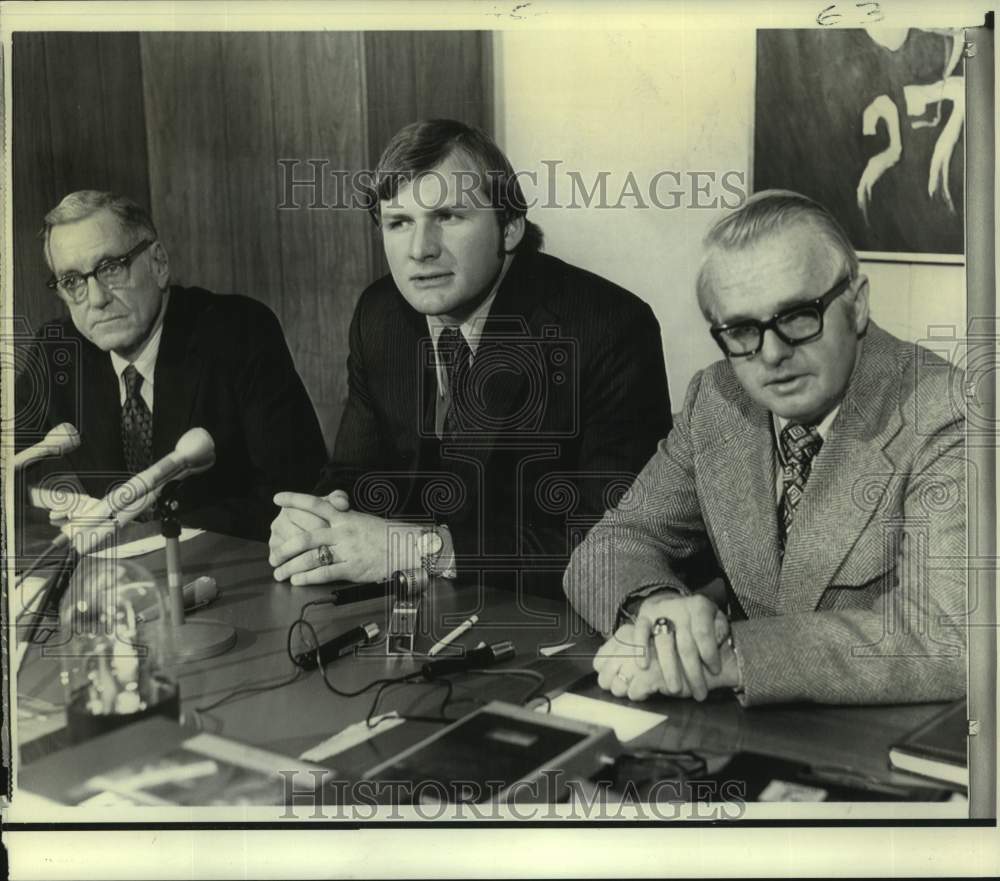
(868, 603)
(222, 365)
(571, 399)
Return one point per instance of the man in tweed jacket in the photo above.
(843, 568)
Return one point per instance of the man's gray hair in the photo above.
(81, 204)
(764, 214)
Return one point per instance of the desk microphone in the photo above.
(193, 453)
(338, 646)
(62, 439)
(486, 656)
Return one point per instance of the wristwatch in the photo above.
(431, 545)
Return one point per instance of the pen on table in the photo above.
(464, 627)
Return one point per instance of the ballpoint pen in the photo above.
(464, 627)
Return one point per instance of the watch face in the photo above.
(431, 542)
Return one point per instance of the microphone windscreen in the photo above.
(64, 438)
(196, 449)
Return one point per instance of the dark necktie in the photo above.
(137, 424)
(799, 444)
(454, 351)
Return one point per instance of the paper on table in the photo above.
(62, 503)
(143, 545)
(628, 722)
(352, 735)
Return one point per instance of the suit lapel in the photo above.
(100, 414)
(178, 372)
(737, 476)
(500, 371)
(847, 478)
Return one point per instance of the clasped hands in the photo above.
(687, 659)
(316, 539)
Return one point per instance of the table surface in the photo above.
(295, 717)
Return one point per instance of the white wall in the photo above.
(646, 101)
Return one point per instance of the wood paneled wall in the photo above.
(78, 123)
(423, 75)
(194, 125)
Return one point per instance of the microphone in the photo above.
(193, 453)
(338, 646)
(196, 594)
(62, 439)
(486, 656)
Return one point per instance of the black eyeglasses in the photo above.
(794, 326)
(110, 273)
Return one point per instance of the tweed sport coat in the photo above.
(867, 603)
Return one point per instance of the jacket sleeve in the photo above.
(650, 539)
(359, 444)
(284, 443)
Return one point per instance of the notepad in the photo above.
(628, 722)
(143, 546)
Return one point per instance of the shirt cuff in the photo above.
(629, 608)
(739, 689)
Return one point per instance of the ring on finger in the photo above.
(663, 625)
(324, 553)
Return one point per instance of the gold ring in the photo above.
(663, 625)
(325, 555)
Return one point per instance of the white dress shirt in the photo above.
(145, 364)
(472, 329)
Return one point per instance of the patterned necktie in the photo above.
(457, 357)
(137, 424)
(800, 444)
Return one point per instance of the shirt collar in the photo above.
(472, 327)
(146, 362)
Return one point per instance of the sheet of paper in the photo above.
(352, 735)
(64, 503)
(143, 545)
(628, 722)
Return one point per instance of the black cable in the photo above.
(271, 686)
(385, 683)
(523, 671)
(250, 689)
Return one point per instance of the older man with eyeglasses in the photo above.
(140, 361)
(800, 535)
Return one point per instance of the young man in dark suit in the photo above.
(818, 468)
(499, 398)
(144, 361)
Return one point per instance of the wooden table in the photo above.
(295, 717)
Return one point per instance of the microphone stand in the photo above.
(192, 640)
